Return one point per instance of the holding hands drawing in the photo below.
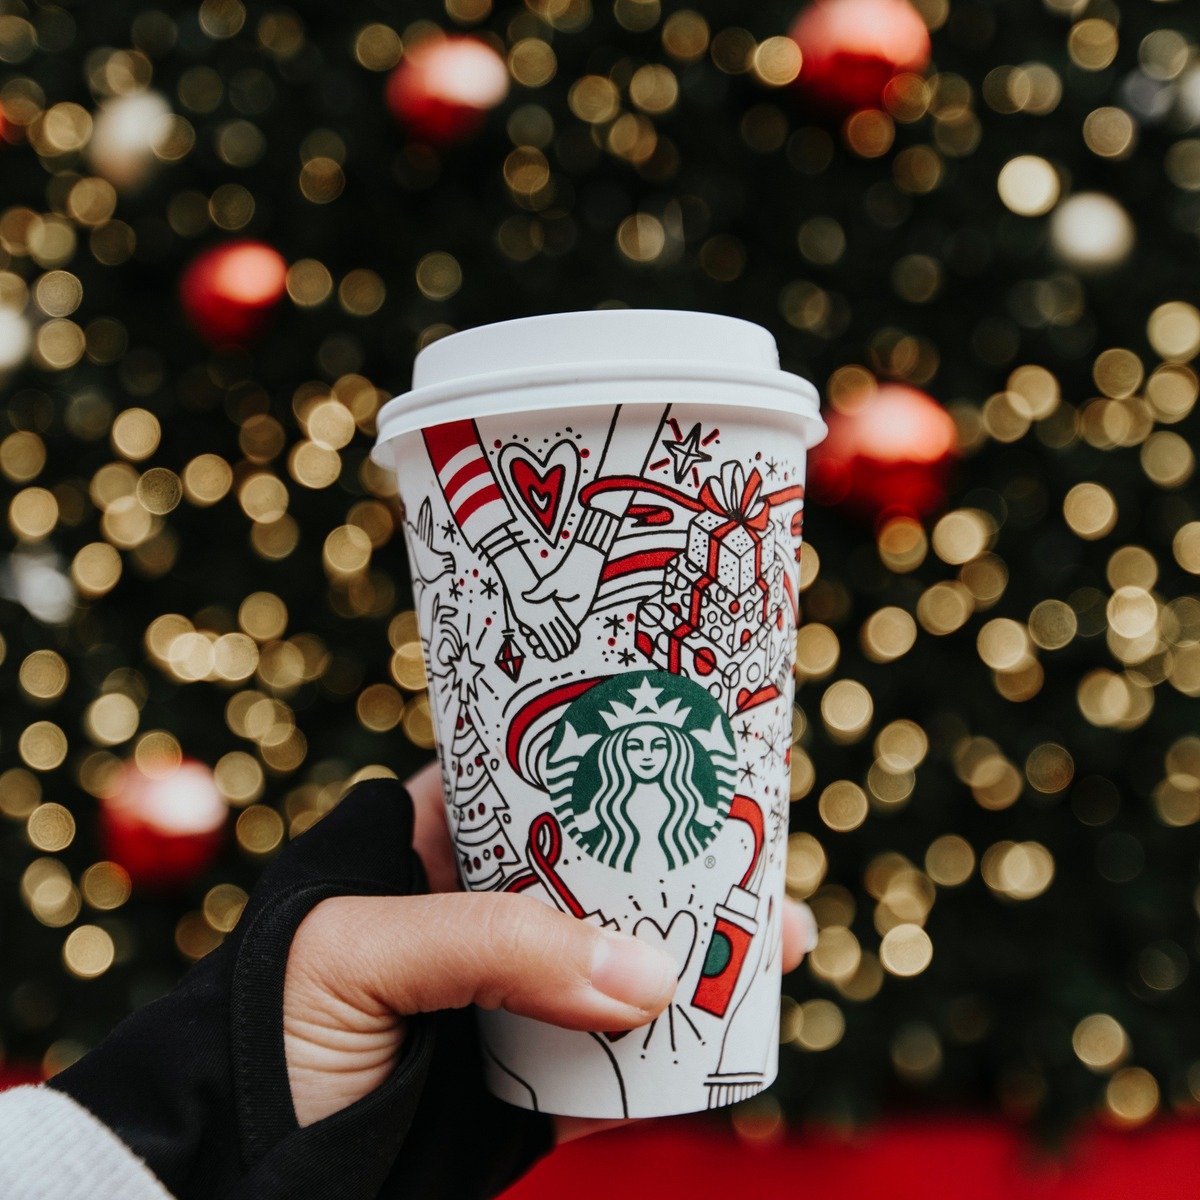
(573, 583)
(551, 631)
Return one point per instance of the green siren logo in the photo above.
(642, 769)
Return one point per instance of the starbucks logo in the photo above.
(642, 769)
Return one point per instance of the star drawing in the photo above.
(463, 671)
(686, 453)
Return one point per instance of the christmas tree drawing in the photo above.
(478, 811)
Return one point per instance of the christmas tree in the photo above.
(226, 230)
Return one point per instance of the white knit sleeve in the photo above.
(52, 1149)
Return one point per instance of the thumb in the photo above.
(496, 950)
(544, 589)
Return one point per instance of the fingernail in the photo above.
(809, 924)
(633, 972)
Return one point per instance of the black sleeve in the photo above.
(196, 1083)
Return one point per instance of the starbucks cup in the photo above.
(603, 513)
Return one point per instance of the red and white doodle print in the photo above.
(607, 555)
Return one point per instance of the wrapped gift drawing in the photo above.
(721, 617)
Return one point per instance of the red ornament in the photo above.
(888, 454)
(443, 89)
(229, 291)
(163, 829)
(509, 658)
(852, 49)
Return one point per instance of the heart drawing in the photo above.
(543, 488)
(678, 939)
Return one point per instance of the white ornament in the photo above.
(126, 132)
(15, 338)
(1091, 232)
(36, 580)
(1187, 98)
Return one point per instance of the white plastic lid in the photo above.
(602, 336)
(619, 355)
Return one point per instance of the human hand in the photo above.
(429, 563)
(359, 965)
(305, 1012)
(573, 583)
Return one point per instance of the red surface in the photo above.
(951, 1159)
(969, 1158)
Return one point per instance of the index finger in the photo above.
(431, 833)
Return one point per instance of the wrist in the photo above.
(597, 530)
(504, 540)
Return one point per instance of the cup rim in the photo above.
(521, 390)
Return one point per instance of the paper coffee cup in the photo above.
(603, 513)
